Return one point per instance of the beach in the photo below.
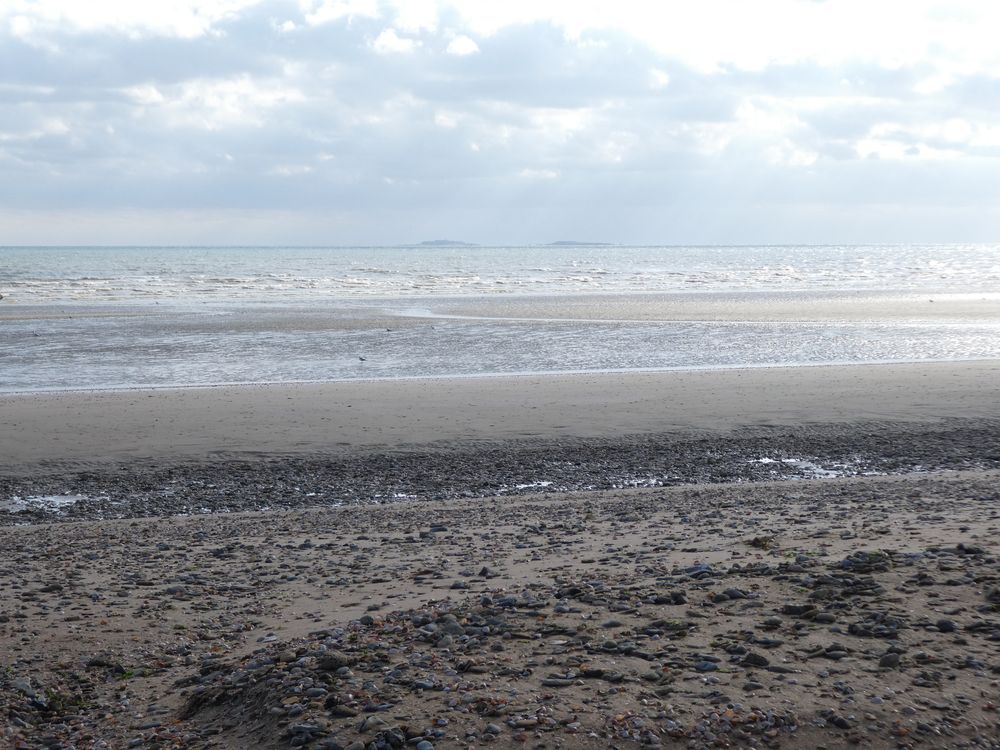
(728, 518)
(383, 375)
(759, 557)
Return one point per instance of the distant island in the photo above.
(574, 243)
(446, 243)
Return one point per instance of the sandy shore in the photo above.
(68, 431)
(850, 612)
(442, 605)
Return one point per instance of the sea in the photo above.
(82, 318)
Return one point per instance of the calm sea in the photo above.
(278, 274)
(114, 317)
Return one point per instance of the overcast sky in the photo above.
(513, 121)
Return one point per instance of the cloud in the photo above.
(317, 12)
(31, 19)
(539, 174)
(212, 104)
(635, 122)
(461, 46)
(389, 42)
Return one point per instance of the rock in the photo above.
(754, 660)
(798, 610)
(331, 661)
(557, 682)
(700, 570)
(370, 723)
(889, 661)
(946, 626)
(450, 625)
(342, 711)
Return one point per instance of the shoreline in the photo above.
(495, 375)
(84, 348)
(689, 305)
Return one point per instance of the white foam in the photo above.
(18, 504)
(809, 468)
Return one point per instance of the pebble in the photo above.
(889, 661)
(525, 656)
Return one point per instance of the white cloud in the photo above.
(934, 84)
(318, 12)
(414, 16)
(213, 104)
(658, 79)
(953, 36)
(787, 154)
(710, 34)
(21, 26)
(539, 174)
(446, 120)
(290, 170)
(389, 42)
(180, 18)
(461, 46)
(48, 126)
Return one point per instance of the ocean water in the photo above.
(295, 274)
(83, 318)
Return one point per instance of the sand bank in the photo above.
(779, 306)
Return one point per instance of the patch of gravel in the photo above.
(503, 468)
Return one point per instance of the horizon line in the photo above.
(489, 245)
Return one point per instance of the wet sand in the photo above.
(813, 306)
(53, 432)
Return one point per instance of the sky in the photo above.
(339, 122)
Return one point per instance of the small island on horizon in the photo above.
(446, 243)
(462, 243)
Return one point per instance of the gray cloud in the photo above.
(536, 136)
